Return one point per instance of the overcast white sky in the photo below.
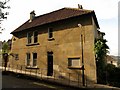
(106, 12)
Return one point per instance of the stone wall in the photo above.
(66, 44)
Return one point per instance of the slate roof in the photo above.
(54, 16)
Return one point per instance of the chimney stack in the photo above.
(80, 6)
(32, 15)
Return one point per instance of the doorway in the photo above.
(49, 63)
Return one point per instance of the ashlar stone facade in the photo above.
(57, 47)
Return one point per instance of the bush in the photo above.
(113, 75)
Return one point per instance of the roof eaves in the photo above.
(95, 18)
(86, 12)
(44, 23)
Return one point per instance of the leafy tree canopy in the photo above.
(5, 47)
(101, 50)
(3, 14)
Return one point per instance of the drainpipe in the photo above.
(83, 76)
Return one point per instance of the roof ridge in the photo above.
(49, 12)
(78, 9)
(64, 8)
(56, 15)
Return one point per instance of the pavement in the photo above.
(54, 81)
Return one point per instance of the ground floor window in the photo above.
(28, 59)
(74, 62)
(34, 59)
(16, 57)
(31, 59)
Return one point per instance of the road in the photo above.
(9, 81)
(14, 82)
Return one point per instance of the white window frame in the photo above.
(31, 60)
(31, 36)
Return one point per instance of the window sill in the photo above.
(32, 67)
(50, 39)
(32, 44)
(72, 67)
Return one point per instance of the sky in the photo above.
(105, 10)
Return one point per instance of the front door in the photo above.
(49, 63)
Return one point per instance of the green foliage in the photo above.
(101, 50)
(106, 73)
(3, 14)
(113, 75)
(5, 47)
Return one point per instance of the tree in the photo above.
(113, 75)
(5, 50)
(101, 50)
(5, 47)
(3, 14)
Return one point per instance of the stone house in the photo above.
(60, 41)
(112, 60)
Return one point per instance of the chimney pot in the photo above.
(32, 15)
(80, 6)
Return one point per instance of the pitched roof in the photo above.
(111, 58)
(57, 15)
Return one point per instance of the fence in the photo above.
(67, 78)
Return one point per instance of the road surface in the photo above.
(9, 81)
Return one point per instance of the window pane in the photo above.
(28, 62)
(16, 57)
(34, 55)
(28, 59)
(35, 36)
(50, 35)
(74, 62)
(34, 59)
(50, 32)
(69, 63)
(34, 62)
(29, 37)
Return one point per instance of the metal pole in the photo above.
(69, 78)
(83, 78)
(30, 72)
(54, 75)
(41, 73)
(78, 79)
(21, 68)
(36, 72)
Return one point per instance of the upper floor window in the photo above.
(32, 37)
(35, 37)
(50, 32)
(29, 37)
